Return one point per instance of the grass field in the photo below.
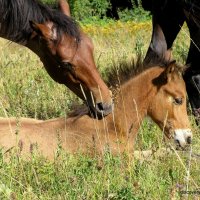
(26, 90)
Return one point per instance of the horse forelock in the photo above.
(16, 17)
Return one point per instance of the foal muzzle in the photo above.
(182, 137)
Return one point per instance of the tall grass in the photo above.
(27, 90)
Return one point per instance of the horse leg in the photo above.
(170, 18)
(192, 74)
(112, 11)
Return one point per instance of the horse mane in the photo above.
(17, 14)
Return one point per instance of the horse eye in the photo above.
(178, 101)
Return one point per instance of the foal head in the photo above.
(168, 106)
(70, 61)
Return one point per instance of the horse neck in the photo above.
(15, 17)
(32, 44)
(8, 37)
(133, 100)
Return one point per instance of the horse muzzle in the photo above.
(102, 109)
(182, 138)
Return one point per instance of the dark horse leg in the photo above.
(168, 15)
(192, 75)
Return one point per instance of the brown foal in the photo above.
(158, 92)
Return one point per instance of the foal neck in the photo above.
(131, 105)
(133, 100)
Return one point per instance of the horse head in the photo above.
(69, 60)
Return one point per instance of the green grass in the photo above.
(27, 90)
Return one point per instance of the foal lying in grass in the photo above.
(158, 91)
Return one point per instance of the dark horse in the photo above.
(168, 18)
(65, 51)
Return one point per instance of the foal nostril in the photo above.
(189, 140)
(178, 142)
(100, 106)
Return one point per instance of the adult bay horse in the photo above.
(65, 51)
(158, 91)
(170, 15)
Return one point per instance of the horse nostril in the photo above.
(189, 140)
(103, 109)
(100, 106)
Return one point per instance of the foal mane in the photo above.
(124, 71)
(17, 14)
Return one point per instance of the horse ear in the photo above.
(42, 30)
(64, 7)
(170, 69)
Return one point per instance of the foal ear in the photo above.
(42, 30)
(166, 75)
(64, 7)
(168, 55)
(170, 70)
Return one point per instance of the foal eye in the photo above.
(178, 101)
